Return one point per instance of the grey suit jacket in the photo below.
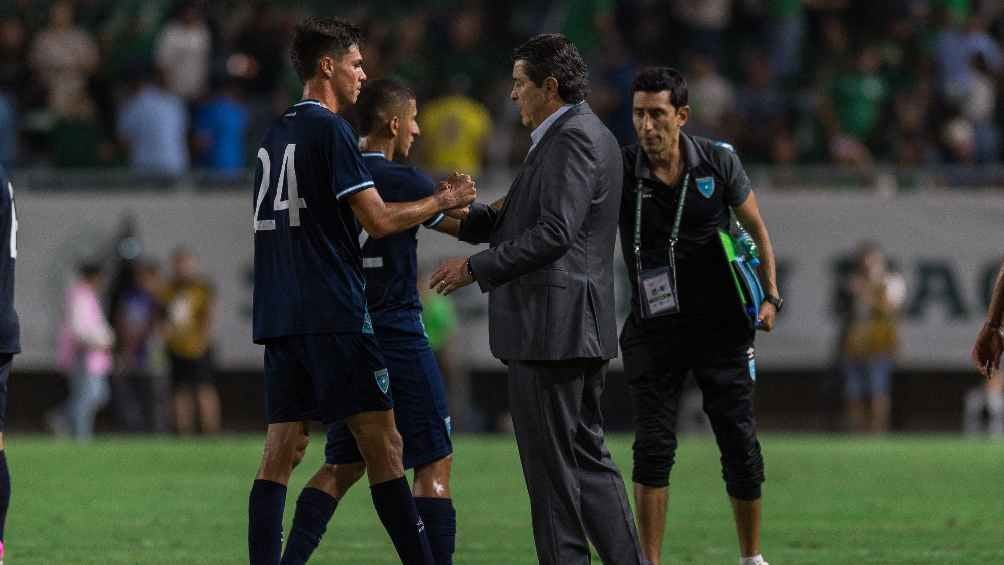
(549, 267)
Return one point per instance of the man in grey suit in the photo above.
(549, 272)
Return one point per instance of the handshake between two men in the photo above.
(453, 274)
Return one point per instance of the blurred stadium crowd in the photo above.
(164, 87)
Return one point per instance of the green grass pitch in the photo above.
(828, 500)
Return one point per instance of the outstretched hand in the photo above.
(451, 275)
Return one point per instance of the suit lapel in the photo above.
(534, 156)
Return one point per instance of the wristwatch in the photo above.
(470, 272)
(776, 301)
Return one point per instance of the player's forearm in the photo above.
(399, 216)
(768, 265)
(749, 216)
(449, 226)
(996, 310)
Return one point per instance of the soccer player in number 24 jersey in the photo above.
(387, 114)
(312, 191)
(10, 330)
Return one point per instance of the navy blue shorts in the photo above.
(5, 363)
(324, 377)
(419, 409)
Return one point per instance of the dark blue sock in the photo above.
(396, 509)
(4, 491)
(440, 525)
(313, 511)
(265, 507)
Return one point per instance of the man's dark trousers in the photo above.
(575, 489)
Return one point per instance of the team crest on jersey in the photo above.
(382, 380)
(706, 186)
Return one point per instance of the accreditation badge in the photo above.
(657, 290)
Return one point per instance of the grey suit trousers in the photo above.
(576, 492)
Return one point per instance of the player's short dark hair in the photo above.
(553, 55)
(318, 36)
(663, 79)
(376, 99)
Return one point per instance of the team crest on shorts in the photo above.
(706, 186)
(382, 380)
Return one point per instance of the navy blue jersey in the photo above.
(10, 330)
(308, 276)
(390, 263)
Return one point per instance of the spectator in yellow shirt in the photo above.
(188, 304)
(455, 130)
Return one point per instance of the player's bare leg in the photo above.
(285, 445)
(379, 443)
(336, 480)
(381, 447)
(857, 415)
(433, 480)
(184, 411)
(747, 514)
(209, 408)
(879, 414)
(651, 504)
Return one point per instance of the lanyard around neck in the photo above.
(674, 236)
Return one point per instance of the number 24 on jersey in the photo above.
(287, 177)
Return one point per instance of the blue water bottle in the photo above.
(748, 246)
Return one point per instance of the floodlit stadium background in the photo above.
(856, 120)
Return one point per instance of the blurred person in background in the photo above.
(63, 56)
(77, 139)
(704, 24)
(137, 395)
(10, 330)
(189, 300)
(220, 129)
(85, 355)
(954, 46)
(785, 27)
(14, 76)
(455, 131)
(260, 60)
(761, 105)
(876, 295)
(183, 51)
(986, 356)
(852, 111)
(983, 407)
(8, 130)
(713, 116)
(153, 127)
(611, 98)
(980, 108)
